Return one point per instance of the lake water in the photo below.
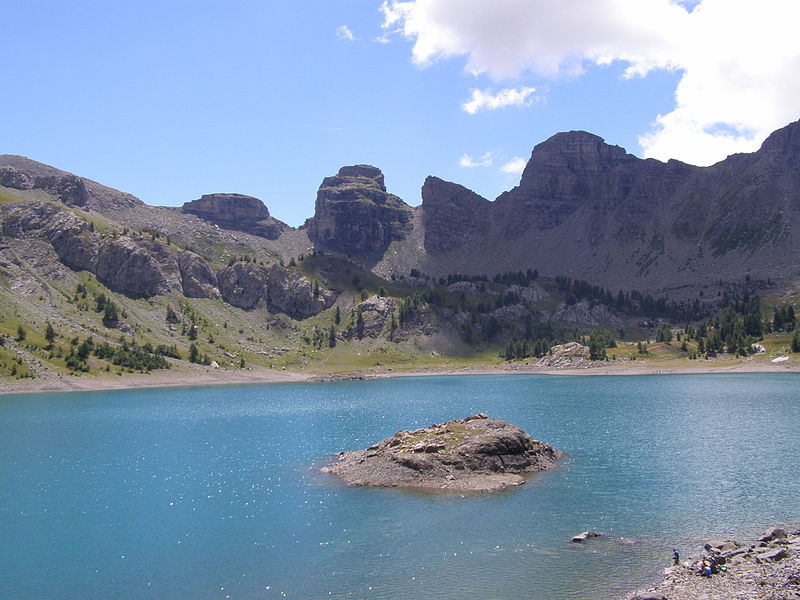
(214, 493)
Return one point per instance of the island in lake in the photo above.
(472, 454)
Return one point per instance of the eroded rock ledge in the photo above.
(475, 454)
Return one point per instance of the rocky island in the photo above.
(472, 454)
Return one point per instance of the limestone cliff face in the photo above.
(238, 212)
(355, 213)
(197, 277)
(69, 235)
(132, 267)
(141, 266)
(452, 215)
(590, 210)
(248, 285)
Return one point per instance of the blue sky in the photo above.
(171, 100)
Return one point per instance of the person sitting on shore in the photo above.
(705, 568)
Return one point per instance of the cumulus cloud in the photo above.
(486, 160)
(515, 166)
(343, 32)
(486, 100)
(739, 59)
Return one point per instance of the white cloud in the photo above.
(515, 166)
(739, 59)
(486, 100)
(343, 32)
(486, 160)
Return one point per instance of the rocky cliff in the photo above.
(141, 266)
(590, 210)
(238, 212)
(355, 213)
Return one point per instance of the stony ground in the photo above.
(767, 569)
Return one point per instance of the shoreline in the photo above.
(202, 377)
(765, 567)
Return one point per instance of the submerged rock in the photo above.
(582, 537)
(476, 454)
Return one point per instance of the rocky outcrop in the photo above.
(764, 569)
(139, 267)
(296, 295)
(571, 355)
(69, 235)
(452, 215)
(376, 313)
(237, 212)
(197, 277)
(355, 213)
(243, 285)
(20, 173)
(476, 453)
(132, 267)
(247, 285)
(585, 313)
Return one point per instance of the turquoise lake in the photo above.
(215, 493)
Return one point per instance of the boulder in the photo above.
(582, 537)
(771, 555)
(773, 534)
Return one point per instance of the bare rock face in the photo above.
(69, 235)
(452, 215)
(355, 213)
(237, 212)
(376, 313)
(197, 277)
(295, 295)
(243, 284)
(136, 267)
(564, 356)
(585, 313)
(247, 285)
(132, 267)
(476, 453)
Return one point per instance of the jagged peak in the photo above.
(784, 140)
(436, 189)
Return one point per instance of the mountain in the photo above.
(589, 210)
(590, 237)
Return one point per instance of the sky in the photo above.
(171, 100)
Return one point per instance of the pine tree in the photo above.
(21, 334)
(49, 335)
(796, 341)
(332, 337)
